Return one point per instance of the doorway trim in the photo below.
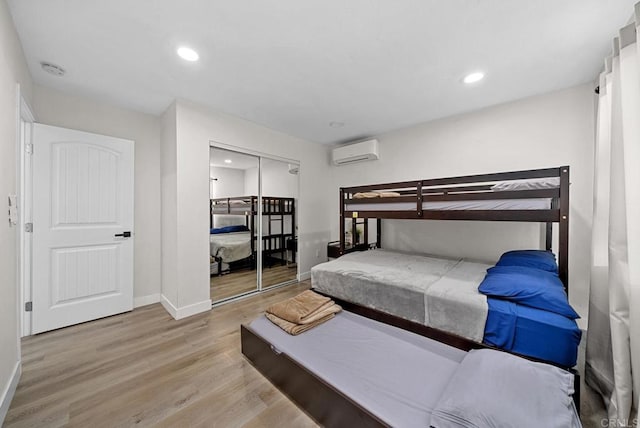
(25, 118)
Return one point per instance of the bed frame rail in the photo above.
(320, 400)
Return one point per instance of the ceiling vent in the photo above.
(50, 68)
(357, 152)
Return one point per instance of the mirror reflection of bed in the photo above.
(248, 231)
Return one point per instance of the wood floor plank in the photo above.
(144, 368)
(245, 280)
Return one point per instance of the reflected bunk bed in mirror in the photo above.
(234, 246)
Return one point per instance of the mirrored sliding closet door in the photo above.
(233, 234)
(279, 231)
(253, 223)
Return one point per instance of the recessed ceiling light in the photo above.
(473, 77)
(336, 124)
(227, 161)
(52, 69)
(188, 54)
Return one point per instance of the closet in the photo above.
(253, 202)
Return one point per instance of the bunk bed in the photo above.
(354, 368)
(235, 246)
(442, 293)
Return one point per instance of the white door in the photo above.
(82, 214)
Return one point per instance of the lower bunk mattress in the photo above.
(230, 247)
(401, 379)
(443, 293)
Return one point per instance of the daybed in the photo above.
(354, 371)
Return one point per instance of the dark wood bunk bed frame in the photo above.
(275, 209)
(331, 407)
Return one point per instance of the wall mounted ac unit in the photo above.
(357, 152)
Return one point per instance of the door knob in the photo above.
(126, 234)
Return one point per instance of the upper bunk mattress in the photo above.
(425, 289)
(490, 204)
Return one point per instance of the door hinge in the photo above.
(28, 227)
(28, 307)
(29, 149)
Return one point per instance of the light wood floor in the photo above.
(243, 281)
(144, 368)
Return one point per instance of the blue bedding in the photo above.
(529, 287)
(532, 332)
(229, 229)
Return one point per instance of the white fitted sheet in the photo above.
(489, 204)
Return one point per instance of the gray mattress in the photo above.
(401, 377)
(380, 367)
(435, 291)
(230, 247)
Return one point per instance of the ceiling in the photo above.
(218, 158)
(296, 66)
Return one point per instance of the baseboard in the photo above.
(146, 300)
(10, 391)
(305, 275)
(185, 311)
(168, 306)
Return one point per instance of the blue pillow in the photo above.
(524, 270)
(229, 229)
(538, 259)
(535, 289)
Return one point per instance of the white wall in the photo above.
(13, 69)
(58, 109)
(276, 180)
(544, 131)
(229, 183)
(169, 203)
(251, 181)
(197, 127)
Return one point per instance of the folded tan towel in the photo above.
(300, 309)
(296, 329)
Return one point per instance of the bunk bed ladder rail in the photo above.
(563, 229)
(342, 219)
(419, 198)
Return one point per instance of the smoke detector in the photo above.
(52, 69)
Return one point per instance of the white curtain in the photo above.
(613, 337)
